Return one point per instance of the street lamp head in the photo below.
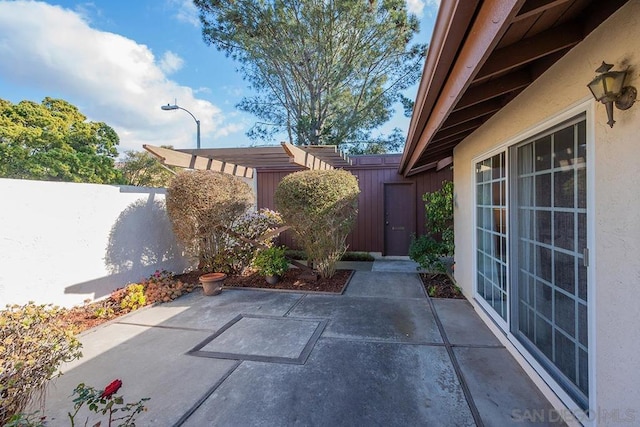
(169, 107)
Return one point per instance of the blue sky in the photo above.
(120, 60)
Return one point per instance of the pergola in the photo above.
(244, 161)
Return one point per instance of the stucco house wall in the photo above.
(613, 188)
(62, 243)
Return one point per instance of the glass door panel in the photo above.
(549, 201)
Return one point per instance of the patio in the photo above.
(383, 353)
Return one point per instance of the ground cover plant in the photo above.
(321, 207)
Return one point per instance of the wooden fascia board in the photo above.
(171, 157)
(454, 17)
(489, 26)
(303, 158)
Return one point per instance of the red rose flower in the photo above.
(111, 389)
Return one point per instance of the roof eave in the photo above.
(464, 36)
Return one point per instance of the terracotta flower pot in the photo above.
(212, 283)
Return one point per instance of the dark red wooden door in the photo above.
(399, 218)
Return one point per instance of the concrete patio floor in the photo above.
(383, 353)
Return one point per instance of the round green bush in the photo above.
(202, 207)
(321, 207)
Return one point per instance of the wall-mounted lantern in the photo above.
(608, 88)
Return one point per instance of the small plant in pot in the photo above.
(271, 263)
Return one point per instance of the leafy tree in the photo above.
(53, 141)
(380, 145)
(142, 169)
(326, 71)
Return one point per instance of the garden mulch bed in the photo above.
(292, 280)
(440, 286)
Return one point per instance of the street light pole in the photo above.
(170, 107)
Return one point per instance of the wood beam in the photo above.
(494, 88)
(303, 158)
(529, 49)
(456, 130)
(422, 168)
(535, 7)
(478, 110)
(171, 157)
(447, 161)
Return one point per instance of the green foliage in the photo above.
(428, 250)
(33, 344)
(53, 141)
(321, 206)
(325, 72)
(271, 261)
(252, 226)
(142, 169)
(134, 297)
(106, 403)
(392, 143)
(34, 419)
(439, 215)
(347, 256)
(203, 206)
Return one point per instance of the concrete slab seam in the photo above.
(281, 291)
(176, 328)
(456, 367)
(205, 396)
(300, 360)
(424, 291)
(346, 283)
(477, 346)
(383, 341)
(384, 297)
(294, 305)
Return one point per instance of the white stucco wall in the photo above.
(614, 194)
(62, 243)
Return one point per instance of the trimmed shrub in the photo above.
(33, 343)
(321, 207)
(203, 206)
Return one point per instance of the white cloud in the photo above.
(417, 6)
(186, 12)
(170, 62)
(109, 77)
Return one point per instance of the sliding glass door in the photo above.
(548, 260)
